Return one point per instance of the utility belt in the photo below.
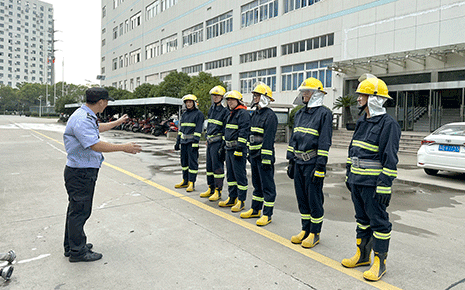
(185, 136)
(213, 139)
(366, 163)
(255, 139)
(307, 155)
(231, 144)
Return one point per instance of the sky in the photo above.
(77, 40)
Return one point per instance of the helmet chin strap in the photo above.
(361, 108)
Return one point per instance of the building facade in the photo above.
(416, 46)
(26, 42)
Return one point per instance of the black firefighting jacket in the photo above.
(375, 139)
(237, 129)
(263, 126)
(311, 136)
(217, 116)
(191, 126)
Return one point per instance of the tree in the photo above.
(200, 86)
(119, 94)
(143, 91)
(171, 86)
(8, 98)
(345, 102)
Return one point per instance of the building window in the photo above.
(104, 11)
(115, 32)
(152, 10)
(192, 69)
(219, 25)
(121, 61)
(103, 42)
(308, 44)
(121, 30)
(248, 79)
(134, 56)
(258, 55)
(114, 65)
(164, 74)
(293, 75)
(226, 81)
(169, 44)
(115, 4)
(152, 50)
(151, 79)
(135, 20)
(137, 82)
(218, 63)
(258, 11)
(290, 5)
(192, 35)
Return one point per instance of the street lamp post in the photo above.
(40, 106)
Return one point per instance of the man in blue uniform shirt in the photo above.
(84, 149)
(371, 168)
(263, 126)
(308, 155)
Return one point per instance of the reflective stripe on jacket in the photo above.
(263, 124)
(191, 126)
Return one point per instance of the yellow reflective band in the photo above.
(267, 152)
(266, 161)
(389, 172)
(216, 122)
(195, 145)
(362, 227)
(233, 183)
(316, 220)
(218, 175)
(365, 145)
(323, 152)
(382, 236)
(306, 131)
(268, 204)
(242, 187)
(306, 216)
(237, 153)
(255, 147)
(185, 168)
(242, 140)
(319, 174)
(193, 171)
(179, 133)
(188, 125)
(197, 134)
(362, 171)
(257, 198)
(210, 136)
(383, 190)
(209, 173)
(308, 151)
(257, 129)
(349, 160)
(232, 126)
(347, 177)
(290, 148)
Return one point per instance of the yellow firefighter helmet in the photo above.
(218, 90)
(312, 84)
(373, 86)
(233, 95)
(263, 89)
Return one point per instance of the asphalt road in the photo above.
(153, 236)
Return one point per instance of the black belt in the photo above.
(306, 156)
(214, 139)
(366, 163)
(231, 144)
(255, 139)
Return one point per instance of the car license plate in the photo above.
(449, 148)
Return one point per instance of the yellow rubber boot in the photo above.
(207, 193)
(227, 203)
(190, 187)
(298, 238)
(181, 185)
(216, 195)
(311, 241)
(264, 220)
(250, 214)
(378, 268)
(363, 255)
(238, 206)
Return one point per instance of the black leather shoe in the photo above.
(87, 257)
(88, 245)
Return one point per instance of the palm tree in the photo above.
(345, 102)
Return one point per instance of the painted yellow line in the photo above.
(261, 231)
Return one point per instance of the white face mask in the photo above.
(375, 105)
(316, 100)
(264, 101)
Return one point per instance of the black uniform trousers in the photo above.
(371, 216)
(264, 186)
(80, 185)
(236, 175)
(189, 162)
(215, 166)
(310, 198)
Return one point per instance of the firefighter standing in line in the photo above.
(236, 134)
(308, 155)
(371, 168)
(264, 124)
(191, 126)
(215, 131)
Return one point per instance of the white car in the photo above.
(444, 149)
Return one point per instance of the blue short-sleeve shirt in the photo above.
(82, 132)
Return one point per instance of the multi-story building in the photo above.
(416, 46)
(26, 42)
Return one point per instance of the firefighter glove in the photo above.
(291, 169)
(177, 147)
(318, 176)
(383, 194)
(238, 155)
(266, 166)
